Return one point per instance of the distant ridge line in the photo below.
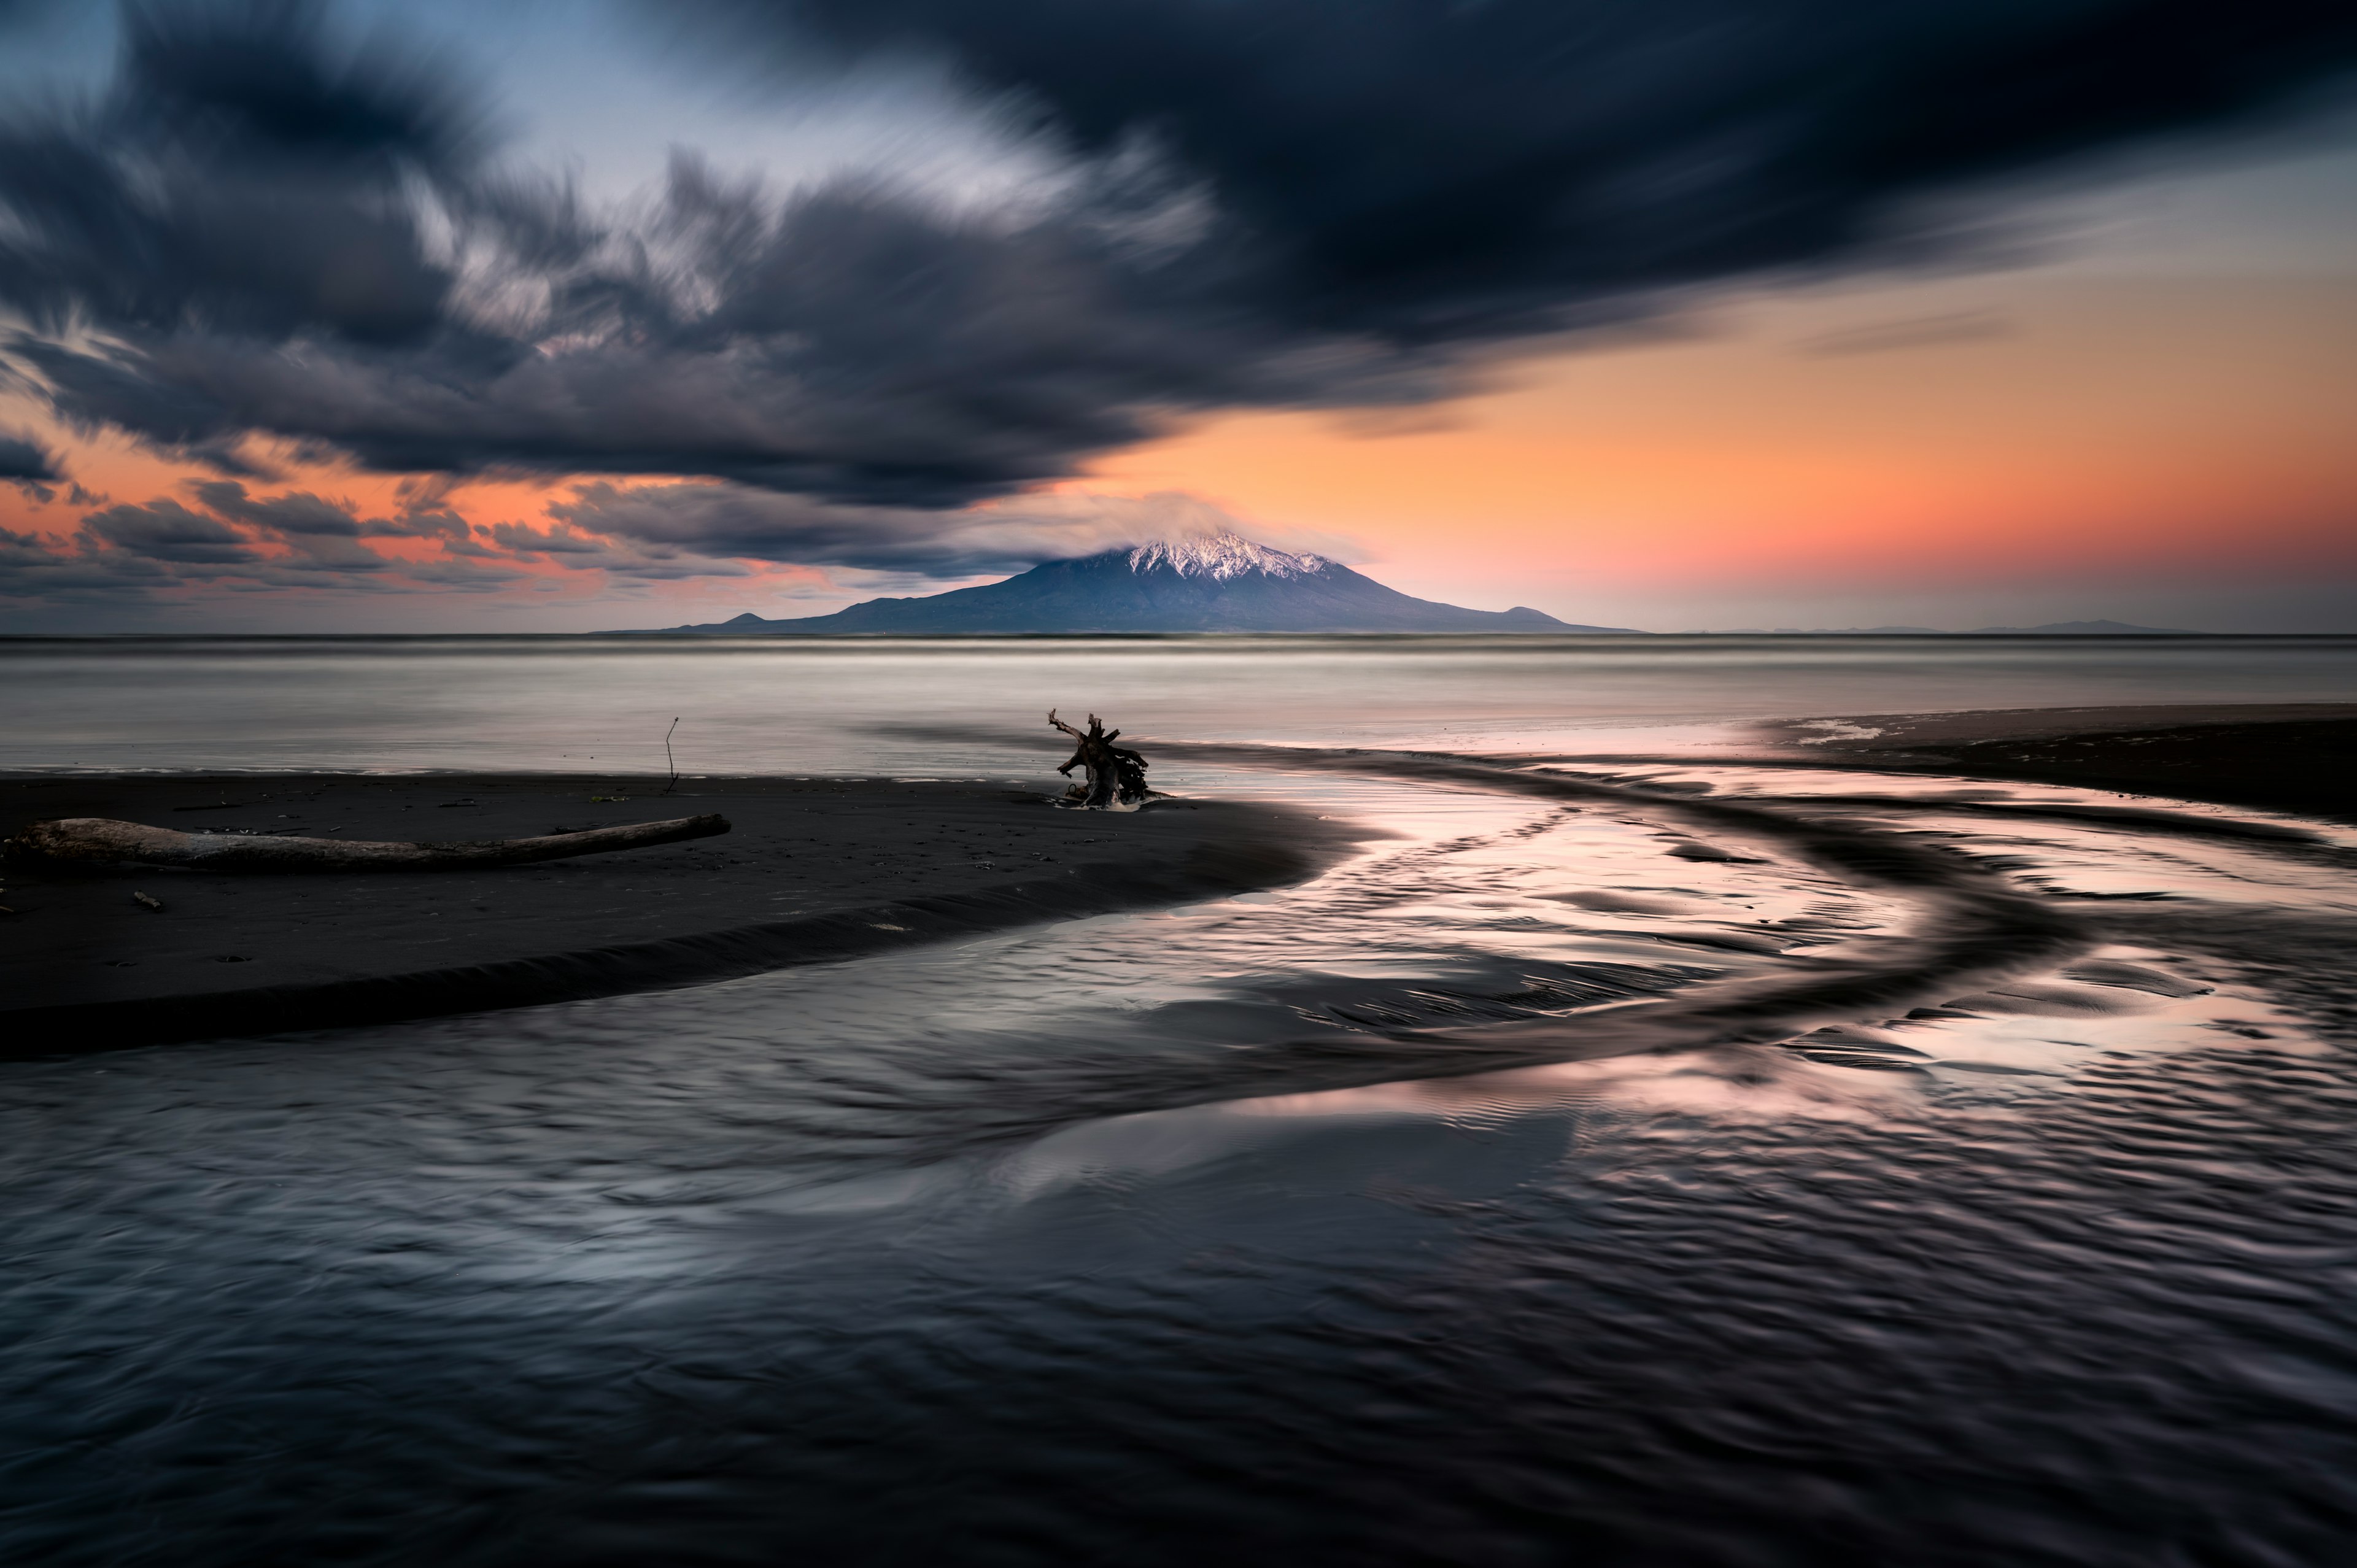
(2052, 628)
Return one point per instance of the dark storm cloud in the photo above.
(524, 539)
(268, 236)
(320, 535)
(241, 178)
(728, 519)
(232, 540)
(1431, 169)
(736, 521)
(264, 228)
(166, 530)
(300, 512)
(850, 343)
(740, 521)
(25, 461)
(36, 568)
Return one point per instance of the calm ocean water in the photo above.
(587, 706)
(1630, 1163)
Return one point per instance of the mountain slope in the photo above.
(1221, 583)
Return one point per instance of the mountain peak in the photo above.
(1204, 581)
(1220, 556)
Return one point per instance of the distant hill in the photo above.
(2083, 629)
(2053, 628)
(1219, 582)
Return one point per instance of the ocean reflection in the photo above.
(1785, 1168)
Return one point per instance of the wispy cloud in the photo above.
(1913, 332)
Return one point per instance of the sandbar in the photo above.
(2296, 757)
(814, 870)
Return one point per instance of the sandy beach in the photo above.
(812, 870)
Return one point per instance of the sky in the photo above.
(1698, 315)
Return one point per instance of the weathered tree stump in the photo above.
(1116, 775)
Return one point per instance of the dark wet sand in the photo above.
(814, 870)
(2295, 757)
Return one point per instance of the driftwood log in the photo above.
(1116, 775)
(103, 839)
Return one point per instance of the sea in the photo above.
(1647, 1148)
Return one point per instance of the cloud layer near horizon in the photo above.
(614, 539)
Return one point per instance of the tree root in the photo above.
(1116, 775)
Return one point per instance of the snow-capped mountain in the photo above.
(1220, 556)
(1208, 583)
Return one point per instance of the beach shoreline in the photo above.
(2300, 758)
(821, 869)
(813, 870)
